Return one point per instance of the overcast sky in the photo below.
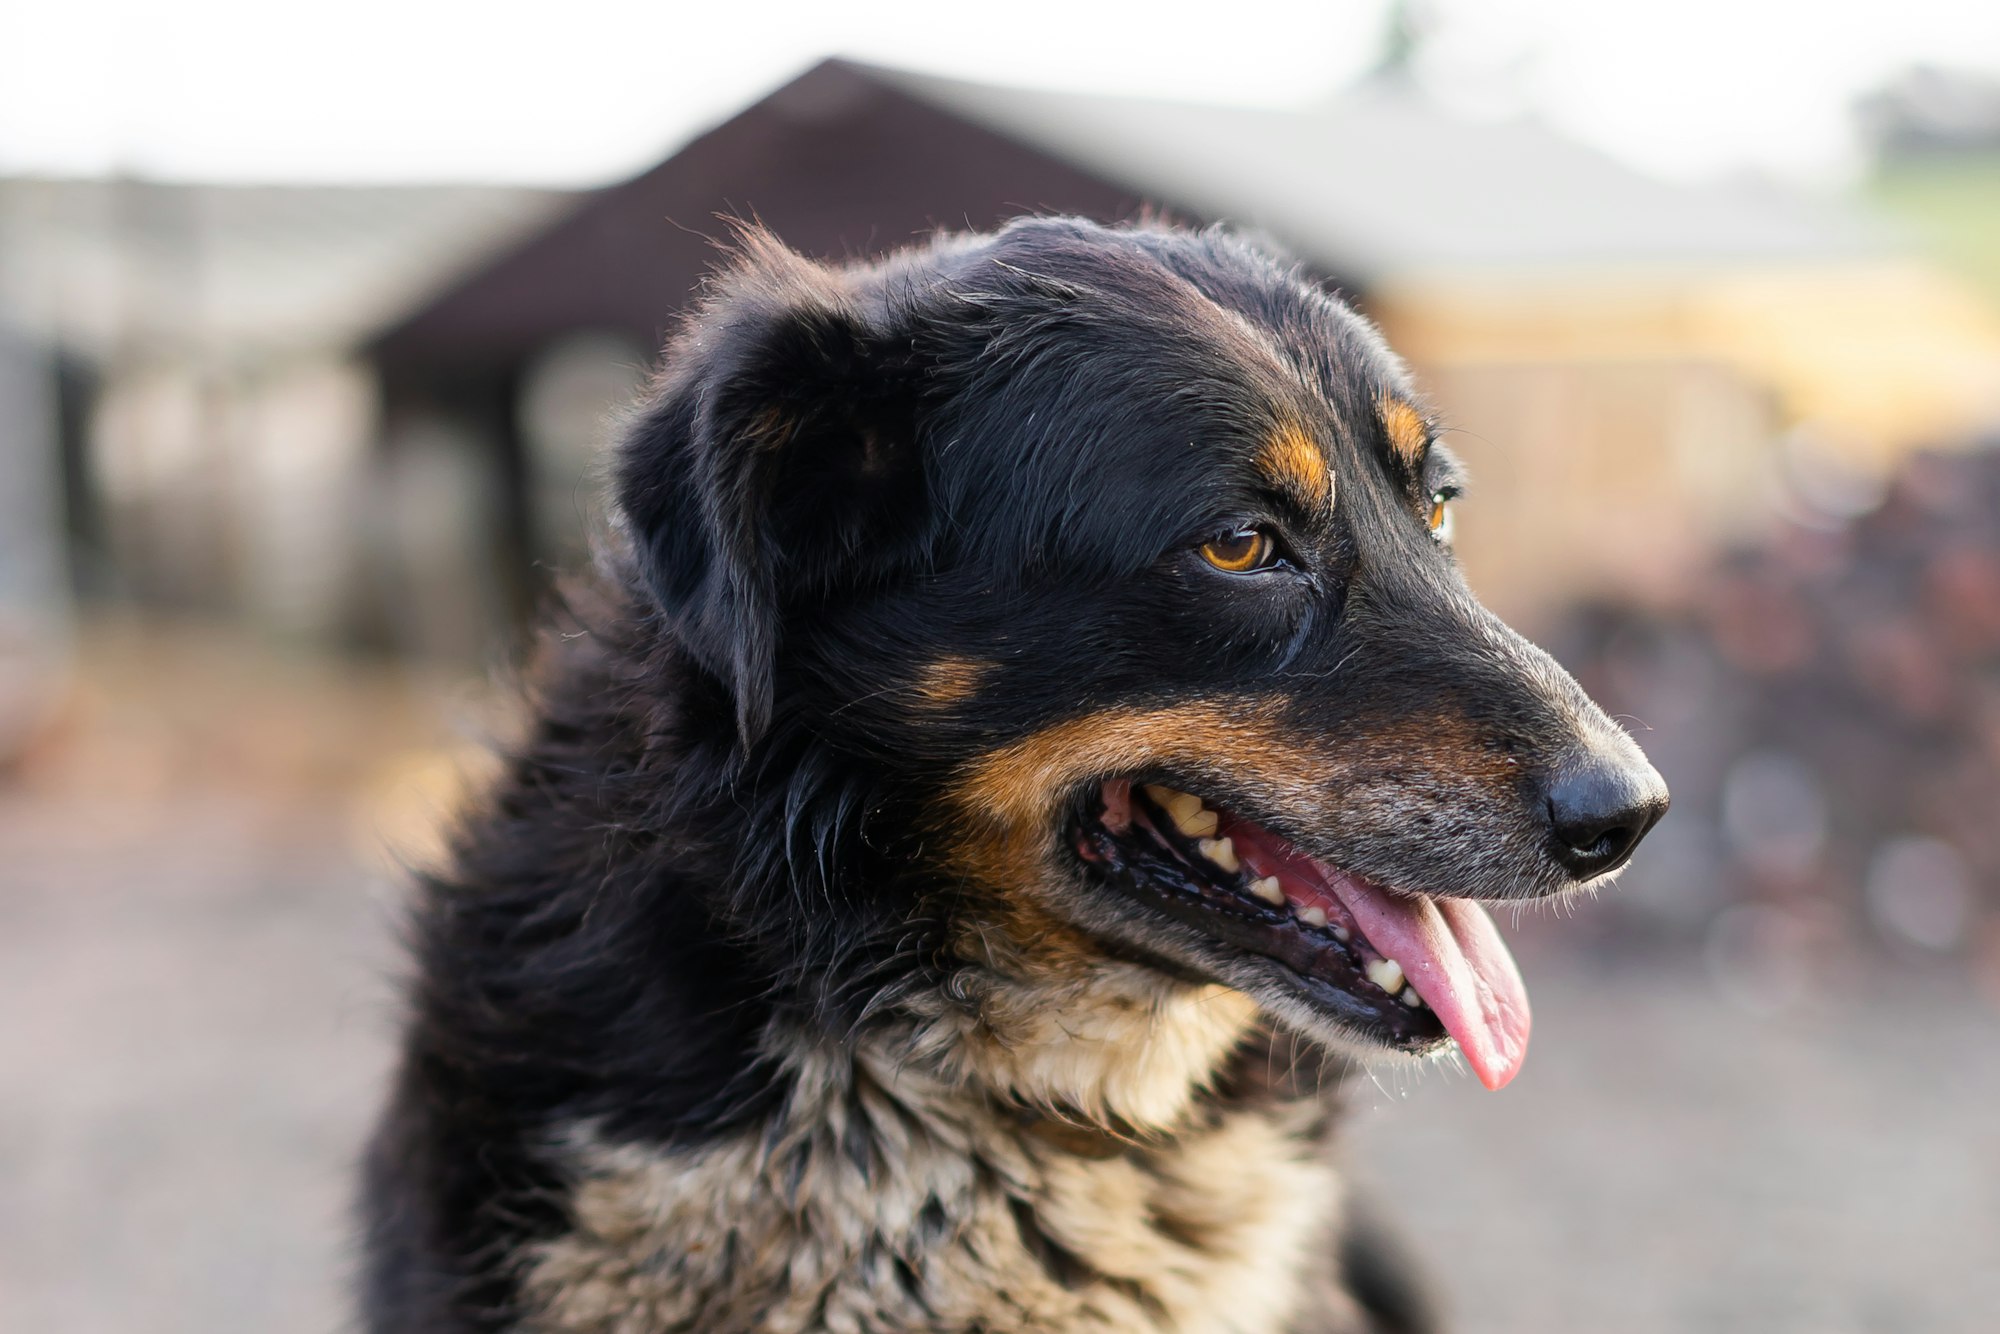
(583, 91)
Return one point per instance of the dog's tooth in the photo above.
(1313, 916)
(1221, 851)
(1179, 803)
(1162, 796)
(1196, 821)
(1269, 890)
(1386, 974)
(1342, 934)
(1411, 998)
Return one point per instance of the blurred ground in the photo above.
(195, 947)
(1669, 1163)
(195, 962)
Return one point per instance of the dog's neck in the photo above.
(887, 1188)
(1108, 1044)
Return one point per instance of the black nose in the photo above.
(1599, 809)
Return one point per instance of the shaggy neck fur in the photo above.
(883, 1195)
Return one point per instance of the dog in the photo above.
(1025, 738)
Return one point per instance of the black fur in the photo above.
(994, 448)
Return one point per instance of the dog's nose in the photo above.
(1599, 808)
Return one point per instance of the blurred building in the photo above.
(521, 361)
(211, 425)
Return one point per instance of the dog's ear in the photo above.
(774, 461)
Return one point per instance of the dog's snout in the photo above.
(1599, 807)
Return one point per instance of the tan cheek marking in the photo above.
(1409, 437)
(1014, 790)
(1294, 462)
(1004, 831)
(1002, 835)
(948, 681)
(1020, 784)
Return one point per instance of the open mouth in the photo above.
(1405, 971)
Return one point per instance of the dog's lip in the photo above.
(1448, 949)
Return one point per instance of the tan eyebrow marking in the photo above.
(1409, 436)
(1295, 463)
(948, 681)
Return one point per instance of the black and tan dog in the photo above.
(1028, 729)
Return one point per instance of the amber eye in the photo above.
(1440, 518)
(1245, 551)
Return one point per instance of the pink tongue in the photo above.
(1449, 950)
(1453, 955)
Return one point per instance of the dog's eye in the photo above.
(1440, 517)
(1245, 551)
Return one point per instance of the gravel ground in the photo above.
(197, 1030)
(195, 973)
(1667, 1162)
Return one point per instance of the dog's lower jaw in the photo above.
(889, 1191)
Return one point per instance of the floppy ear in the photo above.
(774, 463)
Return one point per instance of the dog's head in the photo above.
(1109, 574)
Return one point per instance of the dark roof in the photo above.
(848, 159)
(838, 162)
